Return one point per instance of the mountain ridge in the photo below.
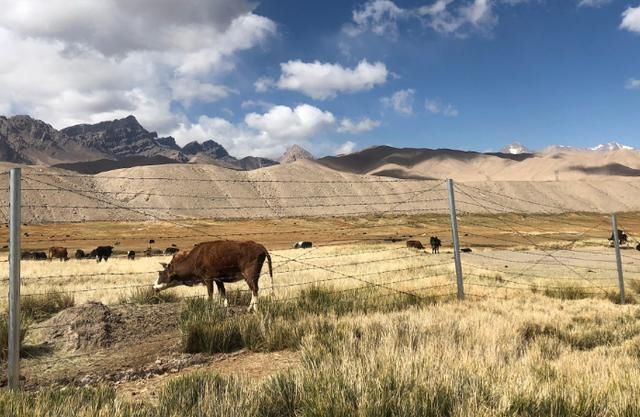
(113, 144)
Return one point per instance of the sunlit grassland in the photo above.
(527, 356)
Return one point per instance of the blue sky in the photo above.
(337, 75)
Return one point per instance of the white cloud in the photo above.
(261, 104)
(631, 19)
(377, 16)
(632, 84)
(322, 80)
(452, 17)
(117, 27)
(268, 134)
(102, 59)
(364, 125)
(186, 90)
(401, 101)
(593, 3)
(435, 106)
(286, 123)
(346, 148)
(263, 84)
(445, 17)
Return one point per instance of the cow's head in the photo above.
(168, 278)
(165, 278)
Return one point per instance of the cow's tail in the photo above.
(270, 273)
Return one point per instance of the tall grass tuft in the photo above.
(147, 295)
(4, 334)
(42, 306)
(566, 293)
(208, 327)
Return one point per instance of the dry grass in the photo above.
(119, 279)
(4, 334)
(528, 356)
(44, 305)
(536, 338)
(148, 295)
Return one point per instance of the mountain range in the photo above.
(124, 143)
(120, 143)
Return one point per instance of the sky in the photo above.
(333, 76)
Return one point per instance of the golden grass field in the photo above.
(539, 333)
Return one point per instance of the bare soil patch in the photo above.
(255, 365)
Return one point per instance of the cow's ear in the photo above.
(164, 265)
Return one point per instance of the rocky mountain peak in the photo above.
(208, 147)
(295, 153)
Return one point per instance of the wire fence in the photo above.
(512, 246)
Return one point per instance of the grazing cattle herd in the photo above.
(101, 253)
(105, 252)
(217, 262)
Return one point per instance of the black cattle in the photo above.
(40, 256)
(435, 244)
(26, 255)
(80, 254)
(152, 252)
(622, 237)
(151, 241)
(303, 244)
(131, 255)
(638, 247)
(103, 252)
(414, 244)
(171, 251)
(466, 250)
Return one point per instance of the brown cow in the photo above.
(219, 261)
(180, 255)
(58, 252)
(414, 244)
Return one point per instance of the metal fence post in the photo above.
(454, 236)
(14, 280)
(616, 241)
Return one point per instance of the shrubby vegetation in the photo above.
(512, 358)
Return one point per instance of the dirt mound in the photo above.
(85, 327)
(94, 325)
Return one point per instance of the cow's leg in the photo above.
(251, 276)
(252, 281)
(222, 292)
(209, 284)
